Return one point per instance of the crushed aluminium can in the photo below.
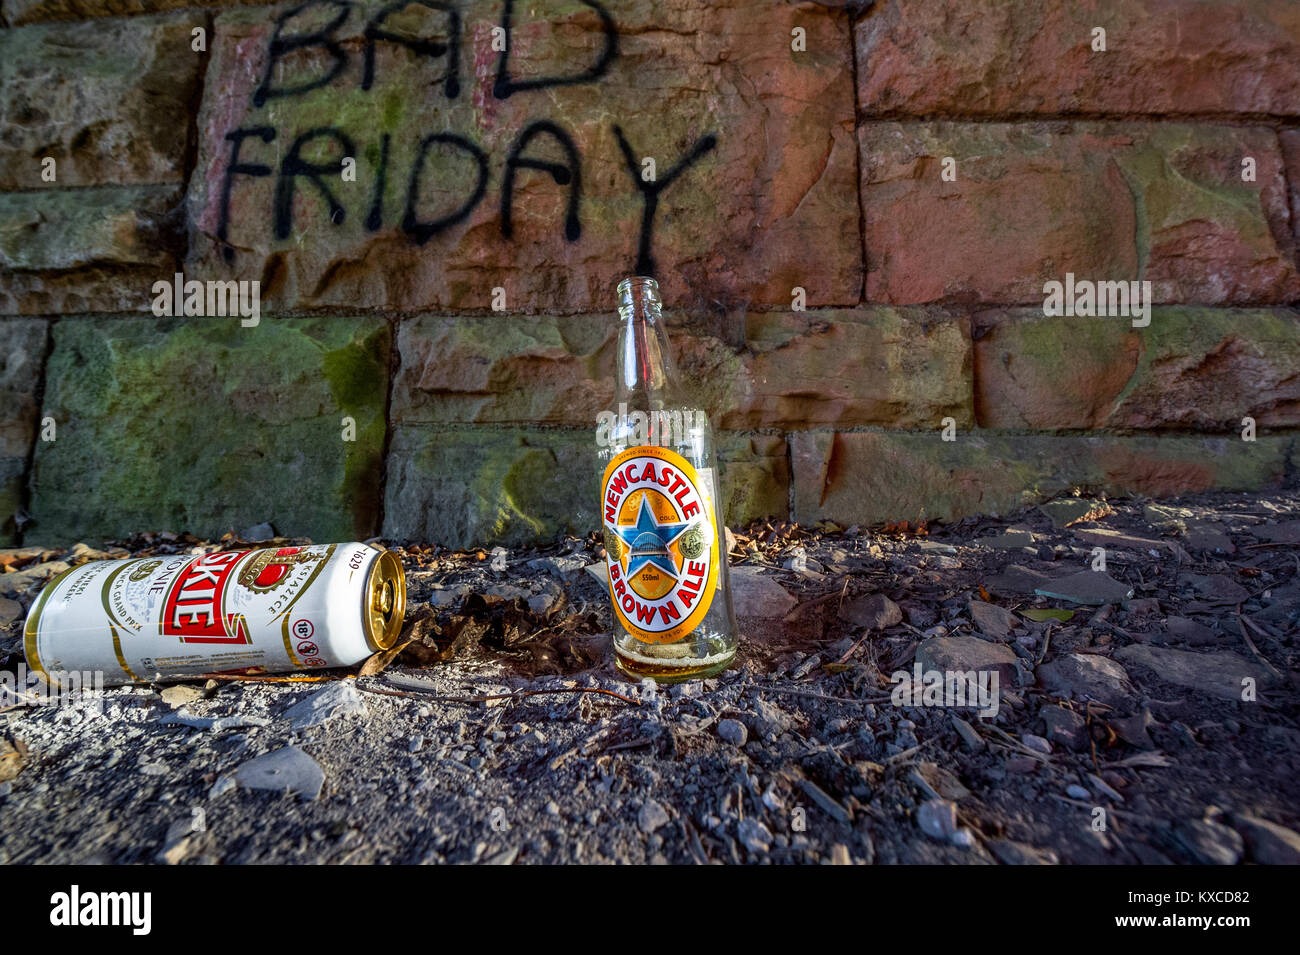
(269, 610)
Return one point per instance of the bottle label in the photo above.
(662, 542)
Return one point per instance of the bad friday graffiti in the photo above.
(442, 48)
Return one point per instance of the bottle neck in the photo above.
(647, 375)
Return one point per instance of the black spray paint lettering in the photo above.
(645, 263)
(430, 48)
(505, 86)
(565, 174)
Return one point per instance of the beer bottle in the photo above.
(667, 556)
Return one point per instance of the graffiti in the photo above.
(295, 172)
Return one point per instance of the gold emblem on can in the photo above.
(691, 544)
(144, 570)
(613, 546)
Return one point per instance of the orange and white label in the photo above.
(662, 542)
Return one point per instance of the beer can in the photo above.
(269, 610)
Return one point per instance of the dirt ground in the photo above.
(1151, 718)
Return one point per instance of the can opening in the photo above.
(385, 601)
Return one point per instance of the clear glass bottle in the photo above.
(667, 566)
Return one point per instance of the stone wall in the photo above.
(854, 211)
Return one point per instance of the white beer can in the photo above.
(242, 611)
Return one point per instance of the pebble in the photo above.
(733, 731)
(283, 770)
(1209, 843)
(874, 612)
(937, 818)
(1087, 587)
(1075, 791)
(338, 699)
(1036, 743)
(963, 838)
(1087, 676)
(755, 594)
(180, 695)
(651, 816)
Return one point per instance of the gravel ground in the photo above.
(1153, 718)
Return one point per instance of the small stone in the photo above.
(1012, 539)
(768, 721)
(1190, 632)
(733, 731)
(1020, 853)
(258, 533)
(283, 770)
(1087, 676)
(338, 699)
(177, 843)
(1166, 518)
(416, 744)
(934, 547)
(963, 838)
(1208, 843)
(753, 835)
(1075, 791)
(1021, 764)
(937, 818)
(965, 653)
(1215, 589)
(1133, 729)
(1065, 727)
(992, 620)
(180, 695)
(840, 854)
(1202, 535)
(1142, 606)
(1016, 579)
(755, 594)
(599, 572)
(1088, 587)
(560, 566)
(651, 816)
(1269, 843)
(1073, 510)
(874, 612)
(10, 612)
(222, 786)
(1036, 743)
(1216, 674)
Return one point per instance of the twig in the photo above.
(1242, 622)
(1047, 639)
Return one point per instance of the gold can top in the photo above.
(385, 601)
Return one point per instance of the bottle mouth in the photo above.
(637, 290)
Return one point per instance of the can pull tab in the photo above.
(383, 603)
(386, 605)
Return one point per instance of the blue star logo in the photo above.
(647, 541)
